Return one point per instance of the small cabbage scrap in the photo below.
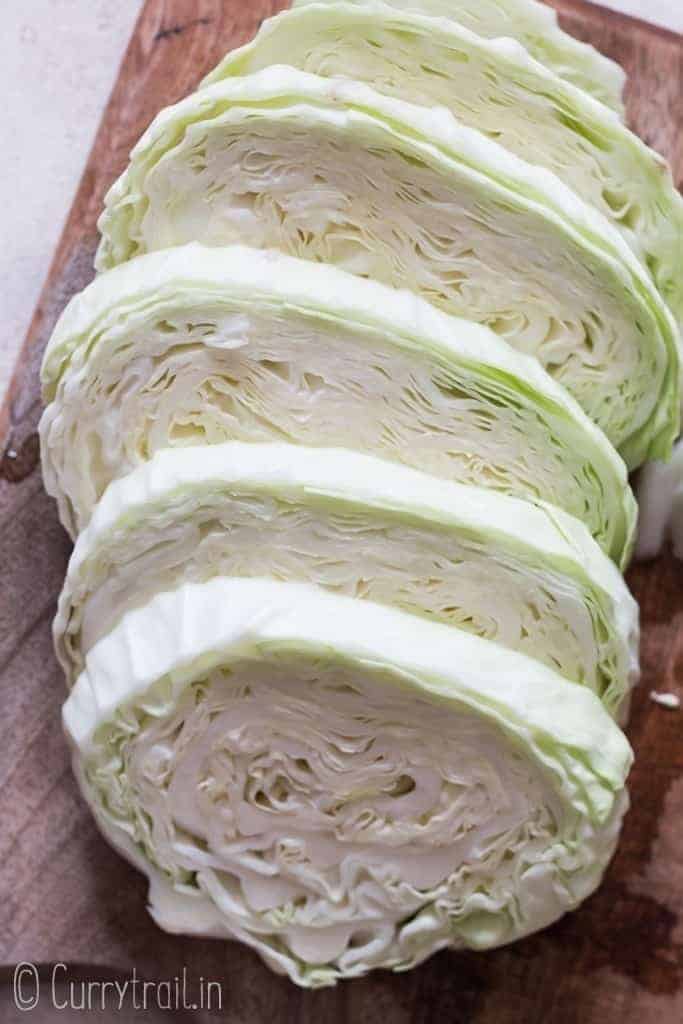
(496, 87)
(199, 346)
(341, 785)
(331, 170)
(527, 576)
(534, 25)
(660, 499)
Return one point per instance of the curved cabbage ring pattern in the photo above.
(528, 577)
(330, 170)
(199, 346)
(338, 784)
(495, 87)
(535, 26)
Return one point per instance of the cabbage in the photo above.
(529, 577)
(535, 26)
(660, 497)
(195, 346)
(340, 785)
(330, 170)
(496, 88)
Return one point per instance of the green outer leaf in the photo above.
(344, 483)
(433, 137)
(196, 275)
(535, 26)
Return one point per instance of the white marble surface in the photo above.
(668, 13)
(58, 61)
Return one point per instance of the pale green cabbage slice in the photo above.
(660, 501)
(534, 25)
(529, 577)
(331, 170)
(495, 87)
(342, 785)
(197, 346)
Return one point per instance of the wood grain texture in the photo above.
(67, 896)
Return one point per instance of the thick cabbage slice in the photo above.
(496, 87)
(660, 499)
(339, 784)
(529, 577)
(330, 170)
(534, 25)
(197, 346)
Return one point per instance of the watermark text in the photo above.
(63, 988)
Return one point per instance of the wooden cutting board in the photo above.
(67, 896)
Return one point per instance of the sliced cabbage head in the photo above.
(199, 346)
(532, 24)
(496, 87)
(529, 577)
(338, 784)
(332, 171)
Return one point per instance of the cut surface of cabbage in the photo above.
(532, 24)
(198, 346)
(495, 87)
(330, 170)
(340, 785)
(528, 577)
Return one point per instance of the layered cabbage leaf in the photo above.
(529, 577)
(338, 784)
(198, 346)
(496, 87)
(331, 170)
(535, 26)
